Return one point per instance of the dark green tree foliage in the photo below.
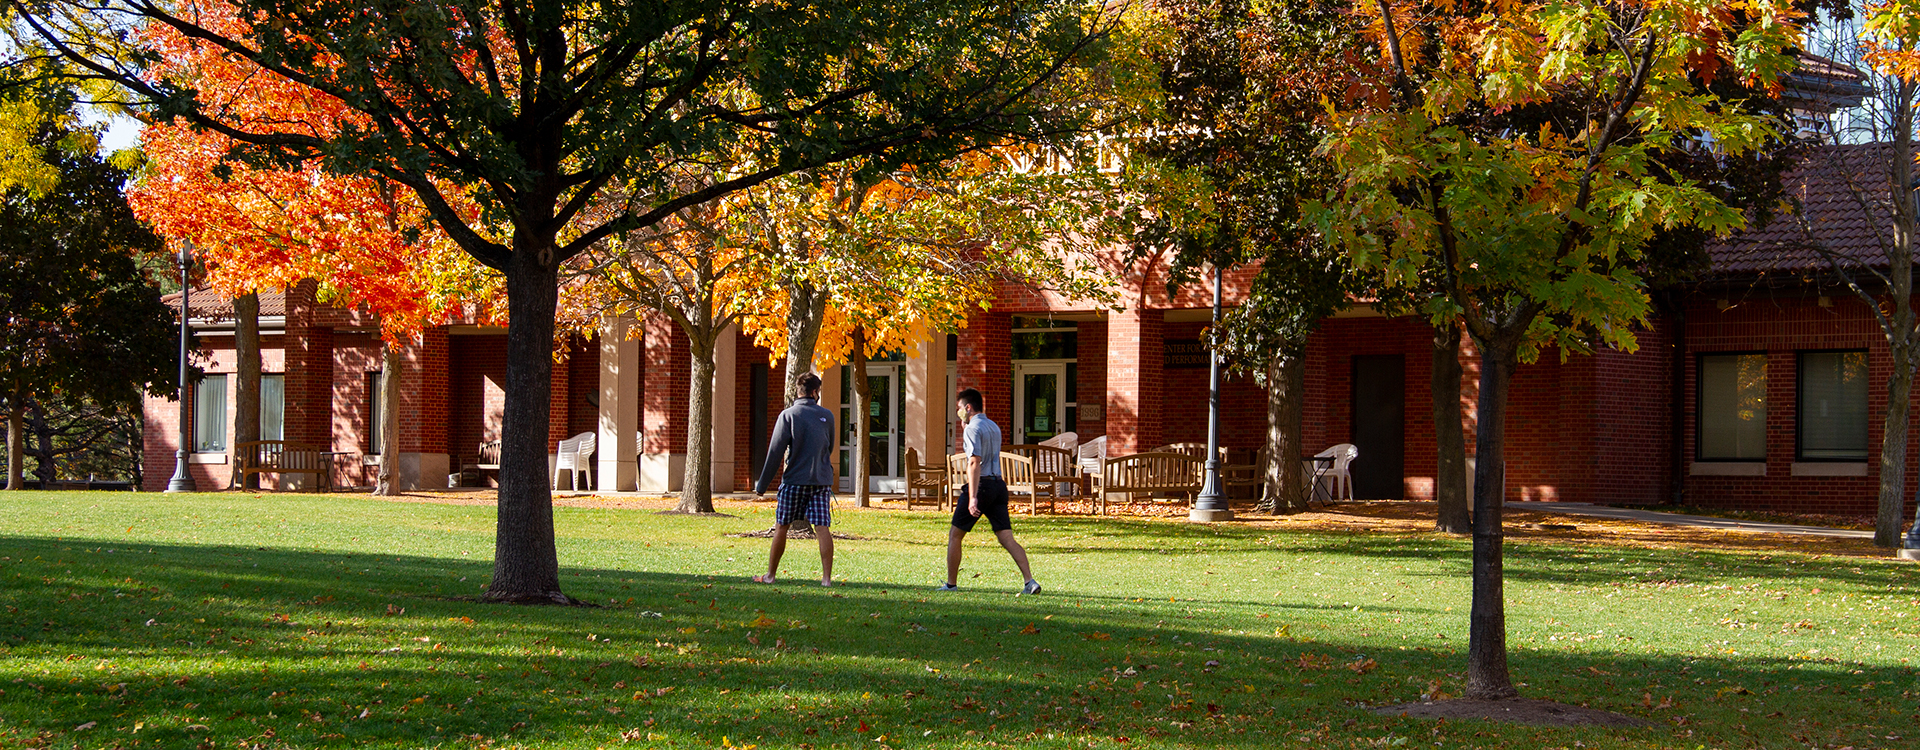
(78, 439)
(1242, 81)
(79, 324)
(572, 122)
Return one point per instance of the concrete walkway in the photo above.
(1677, 519)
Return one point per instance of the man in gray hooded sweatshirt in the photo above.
(804, 433)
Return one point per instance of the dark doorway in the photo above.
(758, 431)
(1379, 426)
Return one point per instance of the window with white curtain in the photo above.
(210, 414)
(1833, 406)
(273, 407)
(1733, 407)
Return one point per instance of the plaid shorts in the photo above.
(811, 501)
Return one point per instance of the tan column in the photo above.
(726, 409)
(830, 400)
(927, 399)
(618, 444)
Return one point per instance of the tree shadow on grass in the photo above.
(312, 649)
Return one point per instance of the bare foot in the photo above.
(763, 579)
(826, 583)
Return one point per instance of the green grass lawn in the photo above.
(287, 621)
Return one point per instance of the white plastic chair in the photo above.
(1064, 441)
(574, 459)
(1341, 480)
(1092, 453)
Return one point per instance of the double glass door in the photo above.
(1039, 402)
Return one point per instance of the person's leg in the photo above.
(1019, 553)
(773, 555)
(824, 533)
(954, 535)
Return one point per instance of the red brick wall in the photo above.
(1091, 378)
(1135, 384)
(1782, 326)
(476, 391)
(986, 363)
(1632, 421)
(355, 356)
(583, 383)
(1243, 403)
(424, 423)
(309, 392)
(667, 376)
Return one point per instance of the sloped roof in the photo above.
(1824, 84)
(212, 305)
(1845, 216)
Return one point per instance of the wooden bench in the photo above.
(1015, 470)
(488, 459)
(281, 457)
(1053, 468)
(926, 482)
(1147, 473)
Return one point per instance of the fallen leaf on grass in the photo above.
(86, 726)
(1029, 629)
(1097, 636)
(763, 621)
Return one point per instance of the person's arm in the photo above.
(776, 448)
(973, 484)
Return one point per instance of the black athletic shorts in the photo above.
(993, 506)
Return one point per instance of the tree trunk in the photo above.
(1450, 478)
(1893, 453)
(1487, 675)
(696, 488)
(388, 483)
(1893, 442)
(246, 398)
(16, 447)
(858, 426)
(806, 311)
(1285, 487)
(526, 567)
(44, 466)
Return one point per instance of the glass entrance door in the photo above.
(880, 427)
(1039, 402)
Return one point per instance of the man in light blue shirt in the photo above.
(984, 494)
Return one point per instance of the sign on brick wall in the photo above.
(1185, 354)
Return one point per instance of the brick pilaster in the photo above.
(1135, 380)
(309, 368)
(986, 363)
(666, 384)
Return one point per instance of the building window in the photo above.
(273, 407)
(1045, 338)
(374, 388)
(1833, 406)
(210, 414)
(1733, 407)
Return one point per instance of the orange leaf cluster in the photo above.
(368, 241)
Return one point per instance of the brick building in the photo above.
(1762, 385)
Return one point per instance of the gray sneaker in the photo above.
(1032, 587)
(947, 587)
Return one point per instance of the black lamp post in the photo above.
(1211, 505)
(182, 480)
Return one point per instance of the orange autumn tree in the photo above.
(854, 263)
(368, 243)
